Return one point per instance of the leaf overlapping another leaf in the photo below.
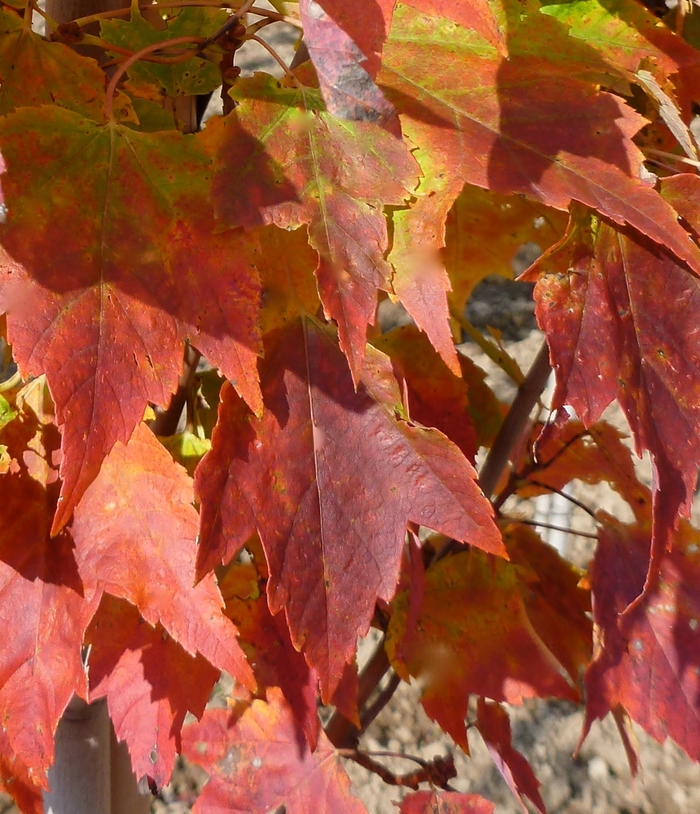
(329, 477)
(105, 314)
(279, 158)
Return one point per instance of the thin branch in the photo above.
(341, 732)
(438, 771)
(379, 702)
(543, 525)
(278, 59)
(124, 66)
(515, 422)
(563, 494)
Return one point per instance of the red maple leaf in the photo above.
(280, 158)
(609, 339)
(46, 604)
(104, 317)
(531, 124)
(647, 662)
(135, 531)
(150, 684)
(258, 763)
(329, 477)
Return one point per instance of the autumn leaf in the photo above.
(299, 165)
(265, 640)
(150, 684)
(532, 124)
(493, 724)
(329, 477)
(258, 763)
(151, 79)
(609, 339)
(36, 72)
(46, 604)
(345, 50)
(647, 661)
(141, 505)
(105, 316)
(483, 233)
(629, 37)
(445, 802)
(475, 636)
(436, 397)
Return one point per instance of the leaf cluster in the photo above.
(302, 477)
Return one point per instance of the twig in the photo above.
(561, 492)
(278, 59)
(124, 66)
(438, 771)
(543, 525)
(343, 733)
(515, 422)
(379, 702)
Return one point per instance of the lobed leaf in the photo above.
(258, 763)
(609, 339)
(477, 634)
(150, 683)
(135, 532)
(532, 124)
(105, 316)
(329, 477)
(279, 158)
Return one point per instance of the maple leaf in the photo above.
(436, 397)
(150, 684)
(257, 763)
(445, 802)
(36, 72)
(483, 232)
(45, 603)
(647, 662)
(344, 48)
(609, 339)
(477, 15)
(151, 79)
(265, 639)
(629, 37)
(299, 165)
(493, 724)
(474, 635)
(135, 532)
(527, 125)
(288, 288)
(105, 317)
(329, 476)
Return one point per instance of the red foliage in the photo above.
(410, 155)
